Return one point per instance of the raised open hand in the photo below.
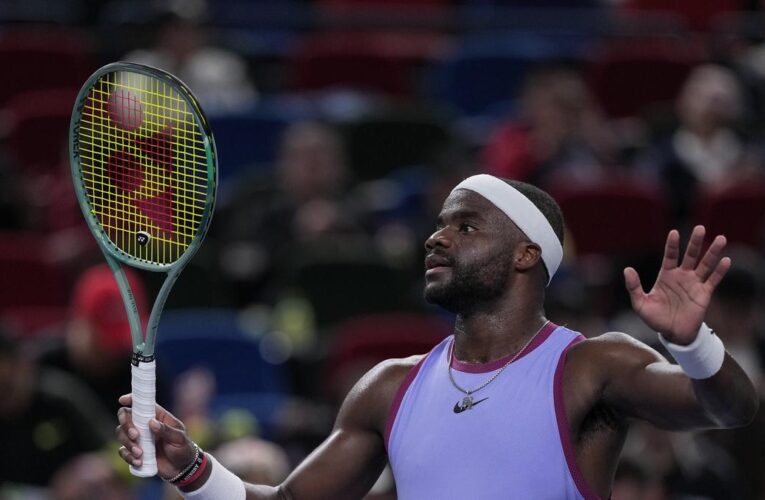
(678, 301)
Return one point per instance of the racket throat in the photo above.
(138, 357)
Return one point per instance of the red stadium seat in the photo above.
(40, 128)
(388, 9)
(628, 76)
(348, 61)
(699, 15)
(615, 216)
(29, 321)
(361, 342)
(37, 59)
(29, 278)
(736, 210)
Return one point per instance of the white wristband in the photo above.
(700, 359)
(221, 485)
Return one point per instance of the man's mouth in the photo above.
(436, 263)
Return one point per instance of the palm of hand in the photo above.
(676, 304)
(678, 301)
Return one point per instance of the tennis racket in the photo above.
(145, 171)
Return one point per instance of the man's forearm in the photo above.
(721, 386)
(729, 397)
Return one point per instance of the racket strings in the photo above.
(143, 165)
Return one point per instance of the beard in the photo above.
(469, 286)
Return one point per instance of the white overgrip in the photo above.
(144, 398)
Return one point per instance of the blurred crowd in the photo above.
(341, 126)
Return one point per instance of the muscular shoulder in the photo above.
(607, 358)
(369, 401)
(613, 350)
(594, 367)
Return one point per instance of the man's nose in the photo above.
(439, 238)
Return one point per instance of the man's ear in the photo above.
(527, 255)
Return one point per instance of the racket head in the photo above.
(144, 165)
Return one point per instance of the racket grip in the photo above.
(144, 409)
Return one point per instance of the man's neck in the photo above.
(488, 335)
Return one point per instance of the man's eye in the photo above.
(467, 228)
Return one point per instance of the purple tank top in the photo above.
(513, 443)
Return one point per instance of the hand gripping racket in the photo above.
(145, 171)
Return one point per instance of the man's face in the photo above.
(469, 257)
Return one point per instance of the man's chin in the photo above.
(438, 296)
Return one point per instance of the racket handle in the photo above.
(144, 409)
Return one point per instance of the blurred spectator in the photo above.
(560, 131)
(46, 418)
(89, 477)
(97, 345)
(306, 203)
(688, 465)
(255, 460)
(252, 459)
(706, 147)
(570, 301)
(736, 315)
(219, 78)
(633, 482)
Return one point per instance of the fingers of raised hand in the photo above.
(693, 251)
(712, 259)
(671, 250)
(634, 287)
(719, 272)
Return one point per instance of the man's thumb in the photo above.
(167, 433)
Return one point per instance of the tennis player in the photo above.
(511, 405)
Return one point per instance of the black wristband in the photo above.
(191, 468)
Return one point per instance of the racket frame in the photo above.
(143, 348)
(143, 365)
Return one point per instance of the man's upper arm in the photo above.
(638, 382)
(351, 459)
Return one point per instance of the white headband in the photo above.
(522, 212)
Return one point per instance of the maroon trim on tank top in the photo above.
(400, 397)
(563, 430)
(463, 366)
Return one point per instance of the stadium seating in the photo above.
(382, 140)
(217, 341)
(338, 61)
(369, 284)
(40, 128)
(630, 76)
(736, 210)
(44, 59)
(361, 342)
(485, 70)
(614, 216)
(29, 277)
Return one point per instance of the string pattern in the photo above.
(143, 165)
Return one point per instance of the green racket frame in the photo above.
(114, 255)
(143, 348)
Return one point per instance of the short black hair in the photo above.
(544, 202)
